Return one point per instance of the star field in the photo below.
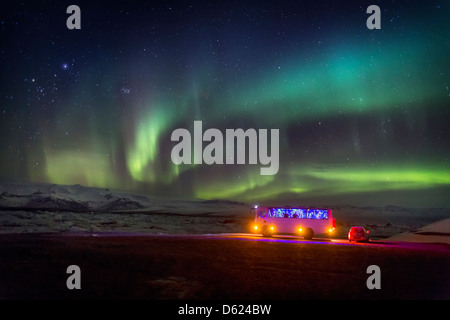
(363, 114)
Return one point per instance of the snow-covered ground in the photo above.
(55, 208)
(436, 232)
(29, 208)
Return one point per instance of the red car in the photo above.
(358, 234)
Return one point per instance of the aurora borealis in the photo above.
(363, 115)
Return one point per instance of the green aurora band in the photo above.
(337, 92)
(341, 83)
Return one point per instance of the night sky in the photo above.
(363, 115)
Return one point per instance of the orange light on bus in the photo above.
(255, 227)
(271, 228)
(300, 230)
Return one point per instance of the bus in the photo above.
(301, 221)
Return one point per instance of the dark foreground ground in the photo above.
(33, 266)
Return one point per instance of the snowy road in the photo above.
(230, 266)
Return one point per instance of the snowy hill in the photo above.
(436, 232)
(77, 198)
(74, 198)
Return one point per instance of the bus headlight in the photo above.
(300, 230)
(255, 227)
(271, 228)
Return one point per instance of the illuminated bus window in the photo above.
(317, 214)
(276, 212)
(301, 213)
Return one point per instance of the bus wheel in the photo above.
(309, 233)
(266, 231)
